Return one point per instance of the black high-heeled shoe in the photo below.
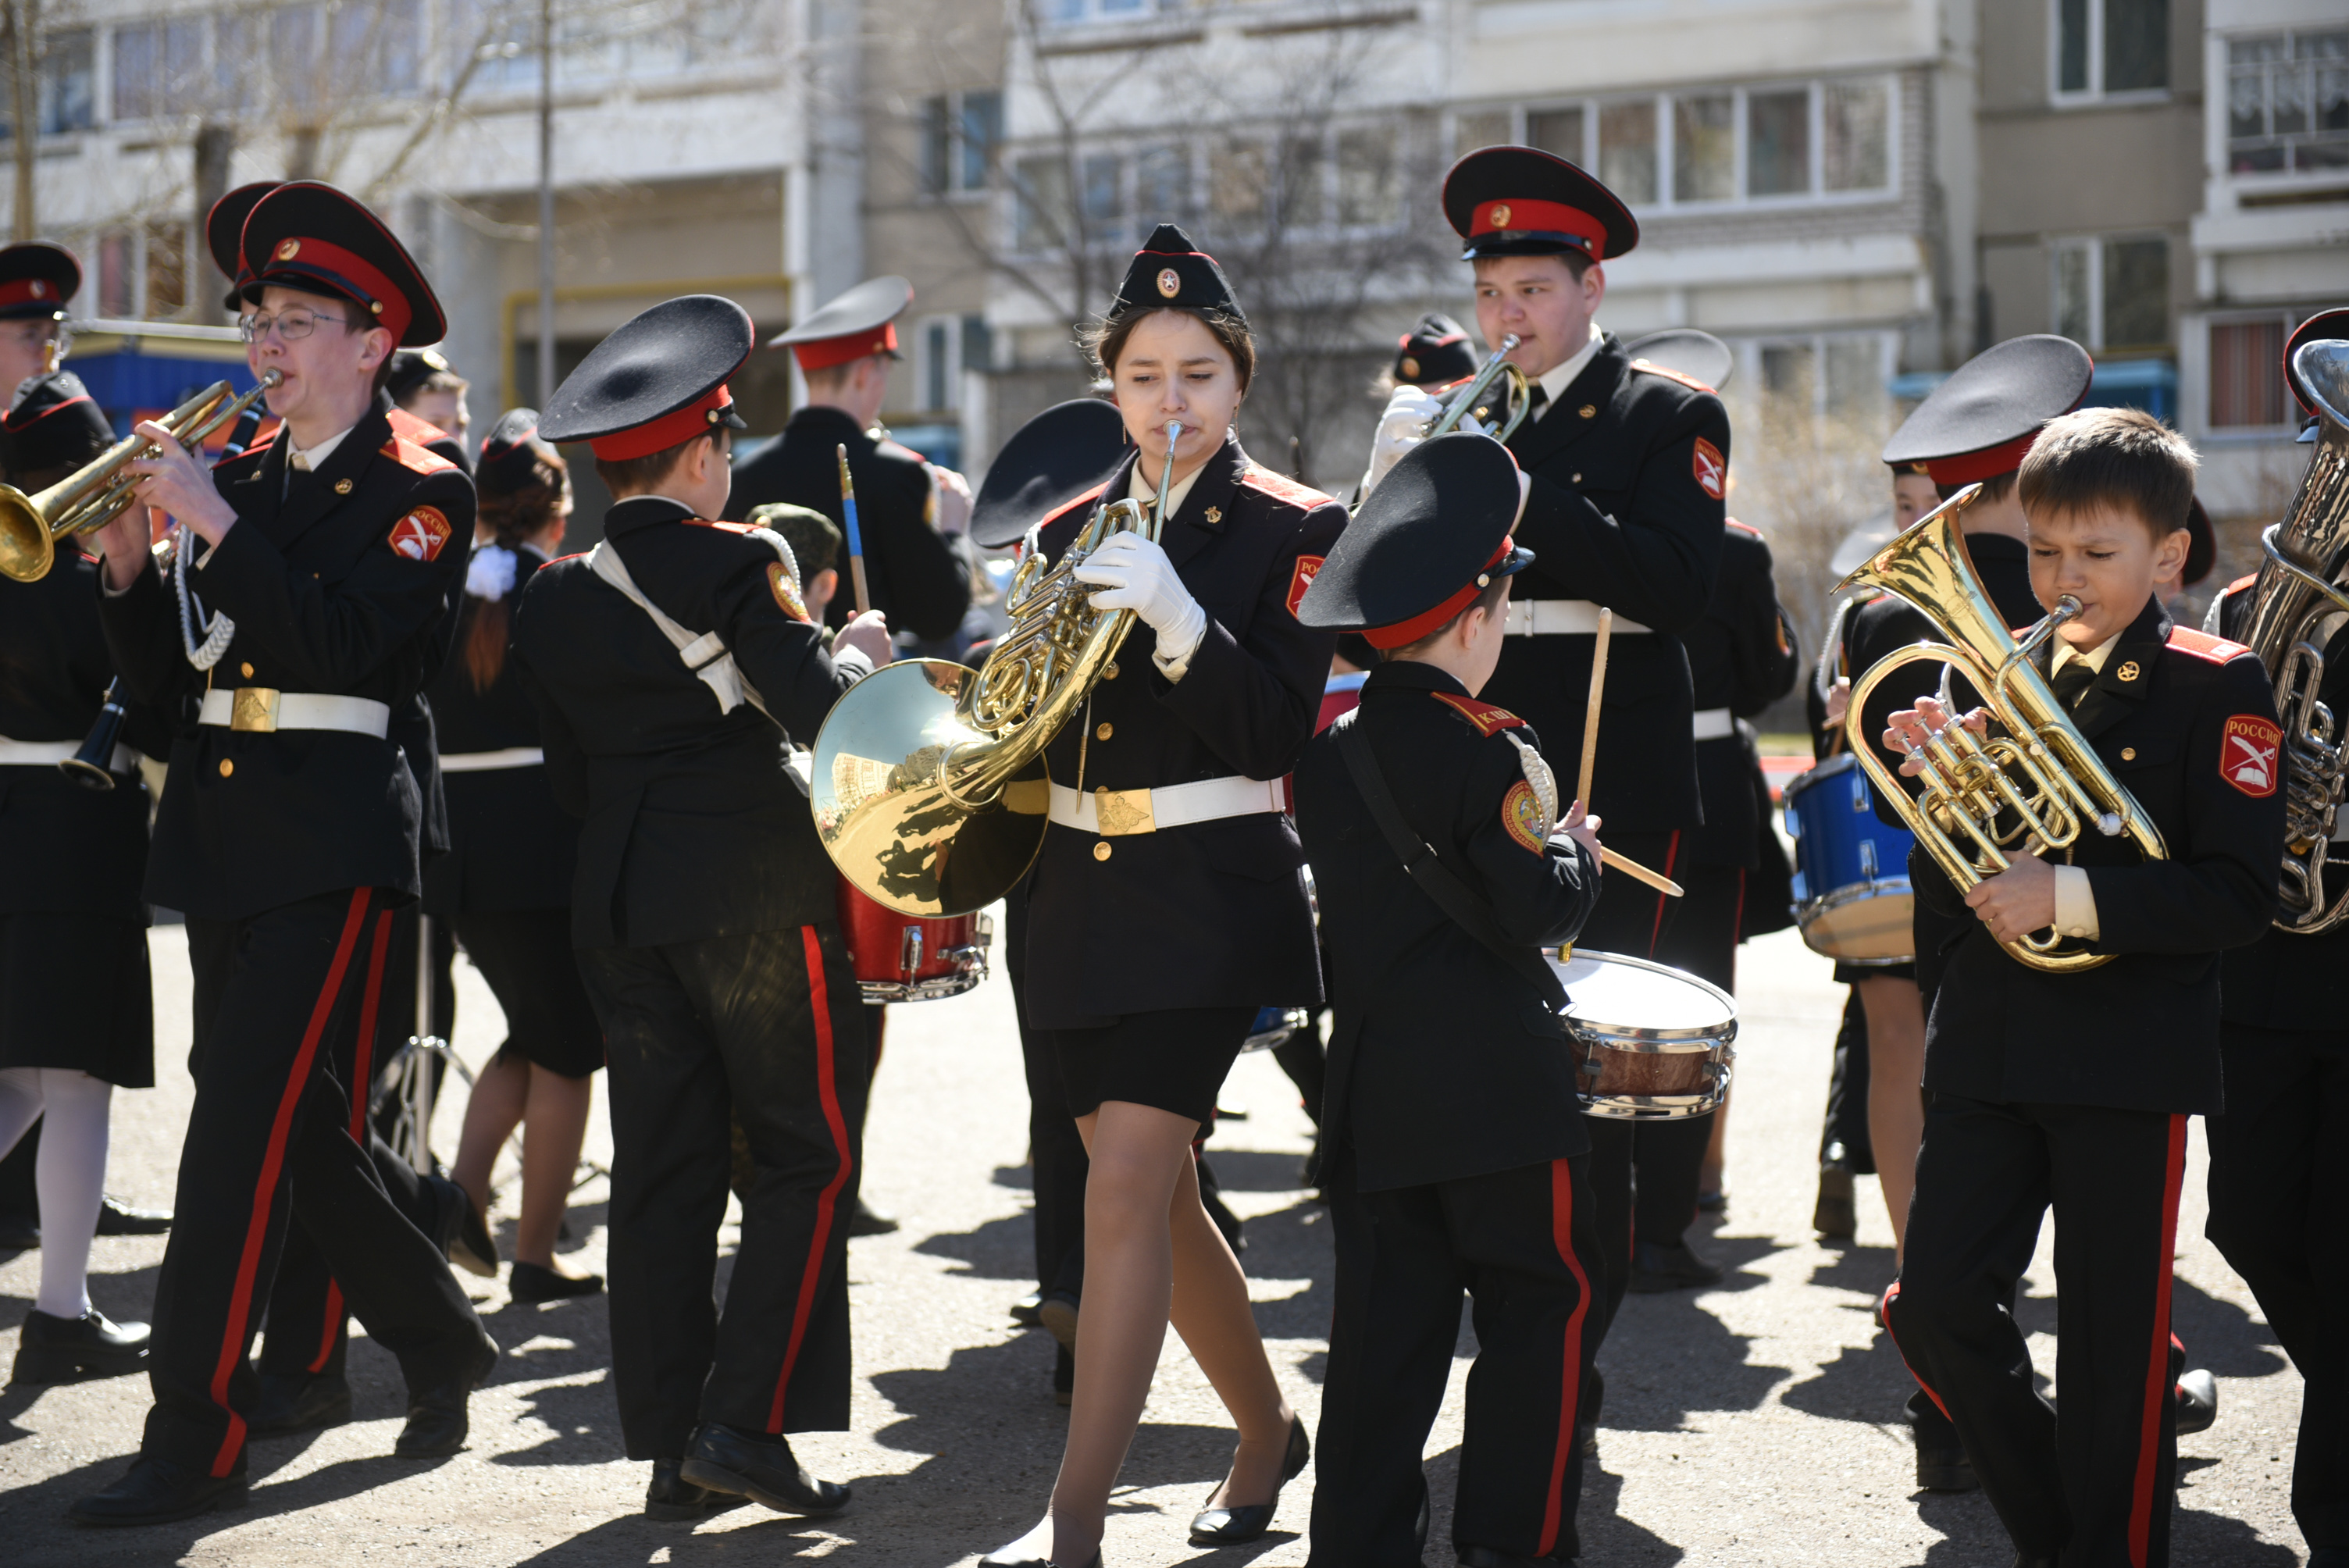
(1236, 1526)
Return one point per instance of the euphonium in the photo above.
(928, 784)
(2033, 782)
(2297, 606)
(100, 490)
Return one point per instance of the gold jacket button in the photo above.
(342, 487)
(1588, 410)
(2128, 753)
(1104, 731)
(247, 668)
(1578, 479)
(227, 768)
(1100, 851)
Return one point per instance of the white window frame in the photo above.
(2093, 246)
(1748, 354)
(1092, 12)
(957, 145)
(938, 359)
(2219, 69)
(2093, 93)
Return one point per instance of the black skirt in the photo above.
(1172, 1061)
(75, 992)
(526, 956)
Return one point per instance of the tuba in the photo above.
(2033, 788)
(100, 490)
(2298, 604)
(928, 783)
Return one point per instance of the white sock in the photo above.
(70, 1176)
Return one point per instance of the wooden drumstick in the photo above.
(1627, 866)
(1634, 869)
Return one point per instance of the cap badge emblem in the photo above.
(2129, 672)
(1170, 282)
(289, 250)
(1409, 365)
(40, 290)
(1500, 214)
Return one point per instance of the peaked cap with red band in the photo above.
(1172, 271)
(1435, 353)
(1523, 202)
(658, 381)
(1980, 422)
(225, 238)
(861, 322)
(305, 234)
(54, 423)
(36, 278)
(1068, 449)
(2324, 323)
(1429, 540)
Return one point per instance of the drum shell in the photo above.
(904, 958)
(1852, 898)
(1631, 1070)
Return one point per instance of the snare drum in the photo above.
(1650, 1043)
(1851, 890)
(900, 958)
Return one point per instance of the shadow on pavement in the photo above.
(1665, 1356)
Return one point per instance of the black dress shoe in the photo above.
(1237, 1525)
(1023, 1311)
(761, 1469)
(2198, 1402)
(158, 1491)
(1057, 1315)
(1835, 1216)
(1064, 1376)
(117, 1218)
(294, 1402)
(529, 1283)
(436, 1421)
(468, 1243)
(59, 1349)
(1716, 1202)
(673, 1497)
(1656, 1268)
(1486, 1557)
(868, 1221)
(19, 1232)
(1942, 1462)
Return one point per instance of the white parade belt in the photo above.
(1560, 618)
(1115, 812)
(35, 753)
(1712, 723)
(263, 711)
(486, 761)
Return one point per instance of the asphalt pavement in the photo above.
(1756, 1424)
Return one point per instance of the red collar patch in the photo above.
(1489, 720)
(2202, 645)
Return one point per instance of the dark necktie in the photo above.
(1537, 398)
(2072, 683)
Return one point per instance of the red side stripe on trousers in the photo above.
(362, 1072)
(264, 1188)
(1671, 858)
(828, 1092)
(1570, 1405)
(2156, 1368)
(1891, 1295)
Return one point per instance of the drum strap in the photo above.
(1427, 866)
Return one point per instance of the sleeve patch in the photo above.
(2249, 754)
(1489, 720)
(2202, 645)
(786, 592)
(420, 535)
(1710, 468)
(1520, 814)
(1302, 578)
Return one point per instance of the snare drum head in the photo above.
(1609, 993)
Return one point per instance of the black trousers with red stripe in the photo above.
(1523, 1244)
(771, 1025)
(308, 1322)
(2095, 1479)
(2274, 1215)
(269, 1143)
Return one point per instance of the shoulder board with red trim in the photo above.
(407, 426)
(2203, 645)
(744, 529)
(898, 450)
(1282, 487)
(575, 555)
(1655, 369)
(416, 458)
(1489, 720)
(2239, 583)
(1746, 528)
(1071, 504)
(263, 444)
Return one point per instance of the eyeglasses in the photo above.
(293, 325)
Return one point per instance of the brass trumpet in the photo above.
(928, 787)
(100, 490)
(2034, 782)
(1471, 395)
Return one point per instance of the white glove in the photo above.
(1132, 572)
(1408, 414)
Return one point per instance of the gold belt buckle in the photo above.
(254, 709)
(1124, 812)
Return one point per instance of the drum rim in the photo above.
(1809, 912)
(1698, 1040)
(1842, 762)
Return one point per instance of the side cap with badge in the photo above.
(657, 382)
(1435, 353)
(849, 327)
(1049, 461)
(1429, 540)
(1980, 422)
(307, 235)
(1171, 271)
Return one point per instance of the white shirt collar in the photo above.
(2094, 658)
(1145, 490)
(1555, 380)
(308, 459)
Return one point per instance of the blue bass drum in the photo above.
(1852, 901)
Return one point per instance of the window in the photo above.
(2288, 103)
(1484, 128)
(2247, 388)
(1102, 199)
(937, 366)
(294, 54)
(1627, 150)
(1370, 186)
(1162, 189)
(960, 134)
(1042, 216)
(1302, 204)
(166, 272)
(118, 275)
(1236, 185)
(2107, 47)
(67, 84)
(2112, 293)
(1092, 10)
(1558, 130)
(1839, 376)
(1856, 135)
(1704, 147)
(1778, 143)
(157, 68)
(977, 344)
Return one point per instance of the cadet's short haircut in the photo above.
(2119, 458)
(1994, 488)
(814, 537)
(640, 476)
(1485, 602)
